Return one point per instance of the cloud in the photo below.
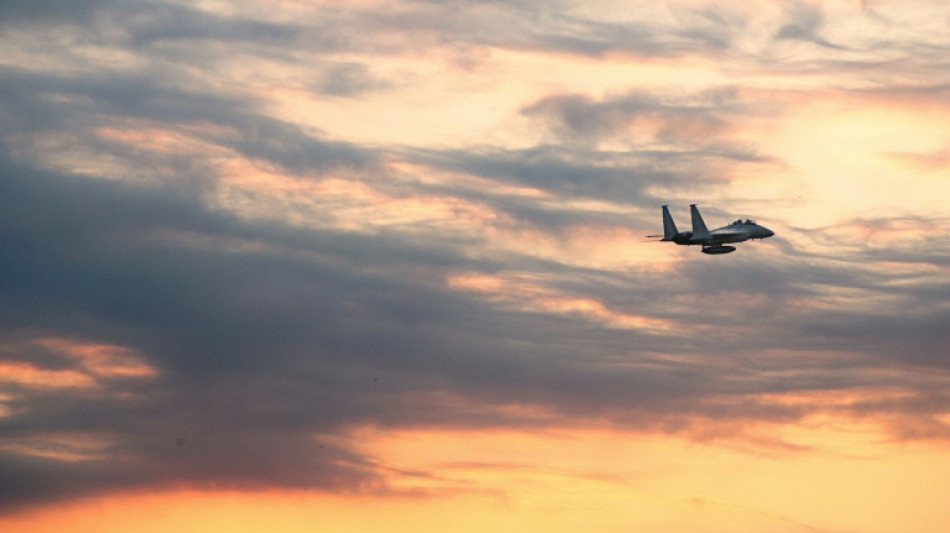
(265, 338)
(806, 21)
(82, 103)
(277, 284)
(349, 79)
(158, 23)
(686, 122)
(50, 11)
(102, 262)
(560, 170)
(259, 350)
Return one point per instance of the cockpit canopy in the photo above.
(748, 222)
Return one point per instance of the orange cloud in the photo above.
(526, 294)
(28, 375)
(100, 360)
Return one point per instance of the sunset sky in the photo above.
(380, 266)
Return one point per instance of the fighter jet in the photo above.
(713, 242)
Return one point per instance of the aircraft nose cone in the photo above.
(769, 233)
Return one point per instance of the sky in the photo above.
(381, 266)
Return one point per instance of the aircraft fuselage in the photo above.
(735, 232)
(712, 241)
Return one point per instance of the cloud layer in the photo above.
(217, 259)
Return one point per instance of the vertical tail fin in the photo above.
(699, 227)
(669, 228)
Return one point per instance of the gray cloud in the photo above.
(349, 79)
(270, 341)
(262, 350)
(50, 11)
(160, 22)
(114, 97)
(561, 169)
(546, 27)
(691, 122)
(805, 22)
